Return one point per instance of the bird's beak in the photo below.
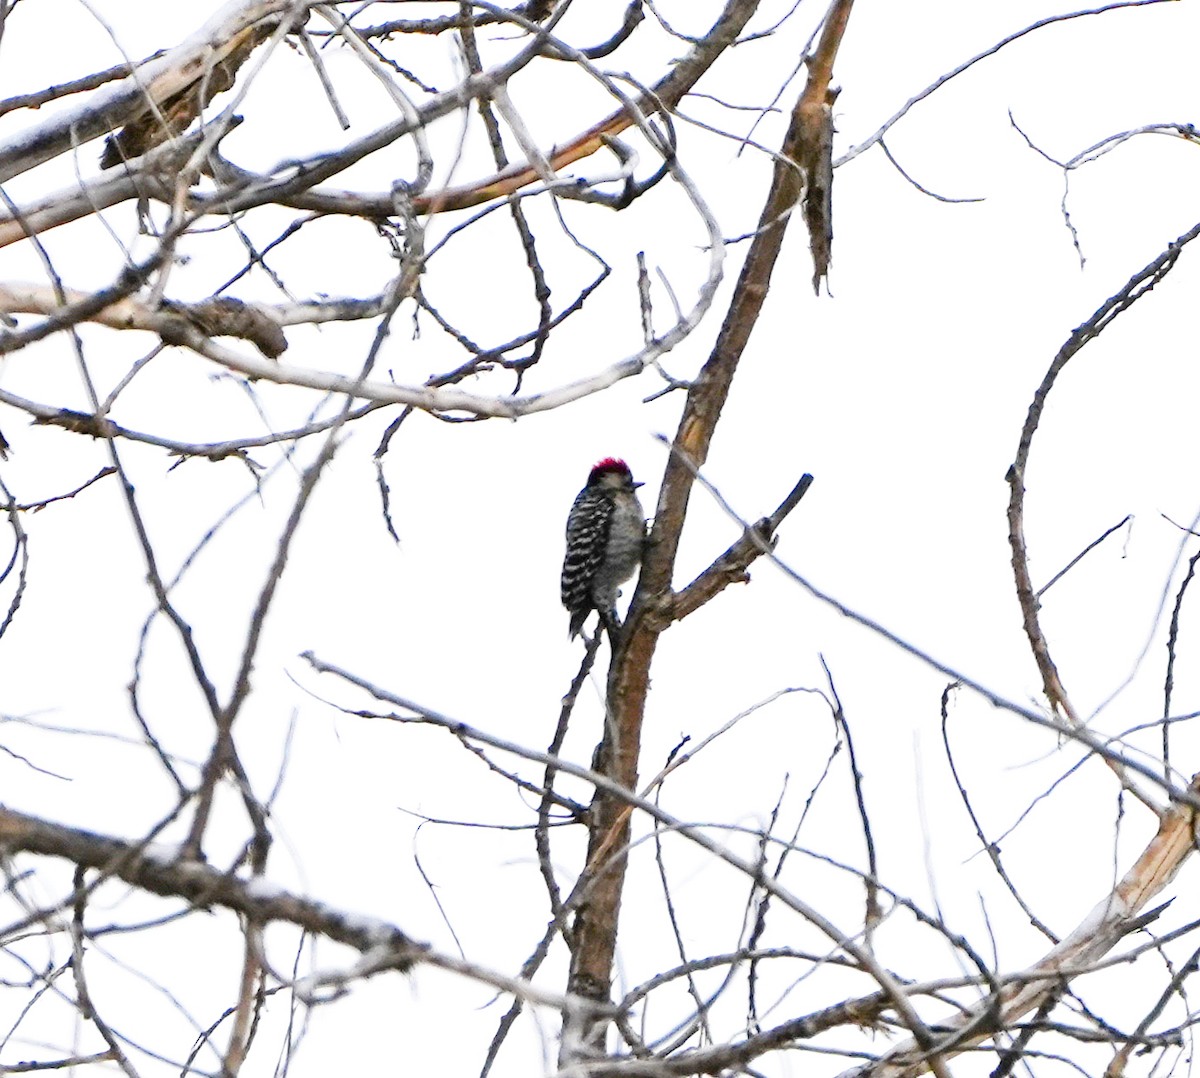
(636, 485)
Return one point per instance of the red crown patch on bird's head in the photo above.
(609, 464)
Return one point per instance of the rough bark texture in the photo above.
(595, 932)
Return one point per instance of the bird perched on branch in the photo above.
(606, 531)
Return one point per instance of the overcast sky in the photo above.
(901, 387)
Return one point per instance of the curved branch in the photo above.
(298, 191)
(938, 83)
(1138, 285)
(129, 313)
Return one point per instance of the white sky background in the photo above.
(902, 392)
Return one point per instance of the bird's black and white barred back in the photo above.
(606, 532)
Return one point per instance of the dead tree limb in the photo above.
(595, 930)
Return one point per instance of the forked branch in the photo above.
(595, 932)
